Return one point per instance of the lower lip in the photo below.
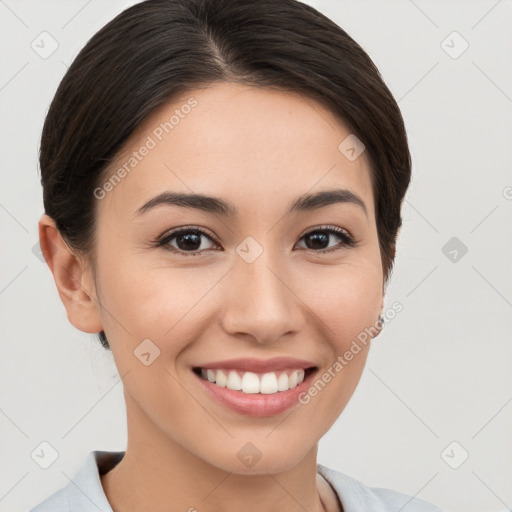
(256, 404)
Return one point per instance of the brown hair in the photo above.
(158, 49)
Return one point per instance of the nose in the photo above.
(262, 302)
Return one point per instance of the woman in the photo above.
(222, 185)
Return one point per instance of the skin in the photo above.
(259, 149)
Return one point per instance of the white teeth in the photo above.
(251, 383)
(234, 381)
(293, 380)
(283, 382)
(221, 379)
(268, 384)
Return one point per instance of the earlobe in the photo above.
(74, 282)
(379, 323)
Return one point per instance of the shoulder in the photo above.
(59, 500)
(84, 493)
(355, 496)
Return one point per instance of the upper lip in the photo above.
(259, 365)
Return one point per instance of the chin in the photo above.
(258, 457)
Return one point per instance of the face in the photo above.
(262, 281)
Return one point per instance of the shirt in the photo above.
(85, 492)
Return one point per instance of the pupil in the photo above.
(317, 237)
(192, 241)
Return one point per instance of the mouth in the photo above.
(255, 394)
(255, 382)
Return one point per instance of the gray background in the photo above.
(441, 370)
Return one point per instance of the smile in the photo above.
(255, 394)
(251, 382)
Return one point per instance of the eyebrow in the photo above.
(306, 202)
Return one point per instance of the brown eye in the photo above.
(188, 241)
(318, 240)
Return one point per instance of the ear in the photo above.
(378, 326)
(74, 282)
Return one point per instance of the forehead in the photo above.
(246, 144)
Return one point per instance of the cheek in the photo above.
(345, 300)
(162, 304)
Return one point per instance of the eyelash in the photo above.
(347, 240)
